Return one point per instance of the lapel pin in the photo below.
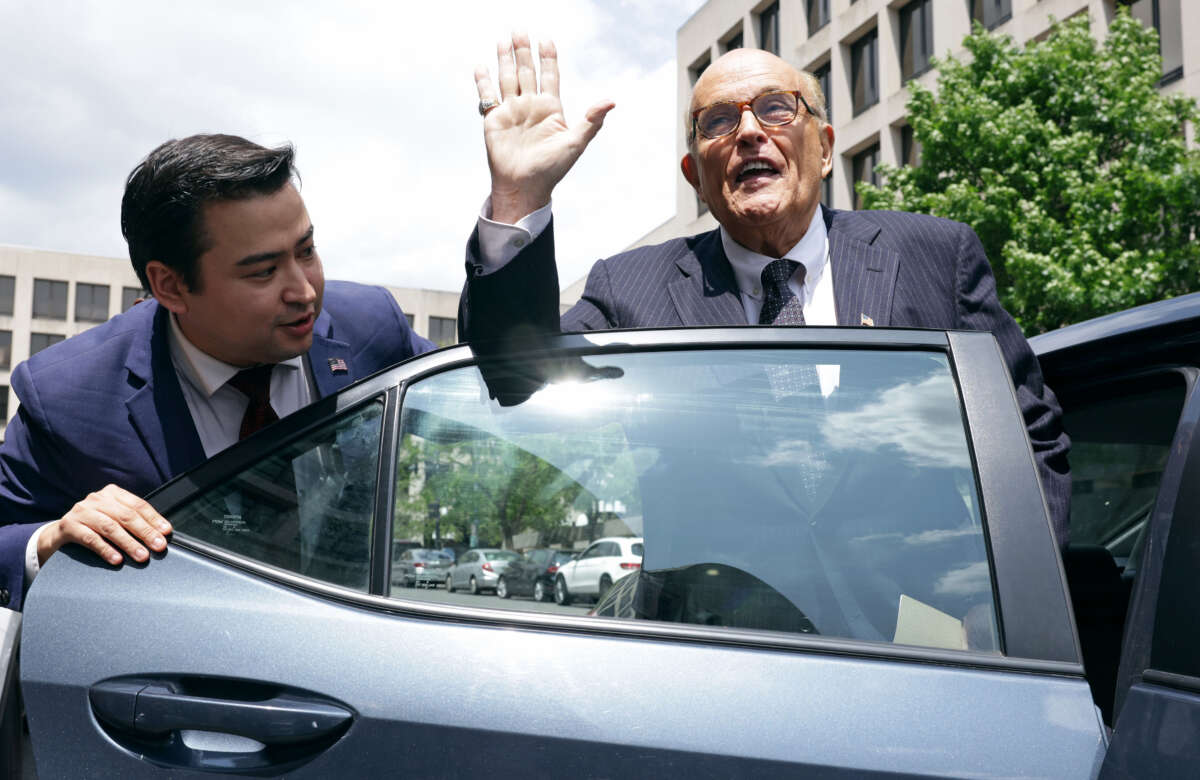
(338, 366)
(870, 323)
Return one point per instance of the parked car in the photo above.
(868, 566)
(420, 567)
(533, 574)
(594, 570)
(479, 570)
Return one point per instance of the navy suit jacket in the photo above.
(889, 269)
(105, 406)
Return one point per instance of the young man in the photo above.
(242, 330)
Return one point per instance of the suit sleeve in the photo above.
(979, 308)
(520, 302)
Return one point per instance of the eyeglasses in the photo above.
(771, 109)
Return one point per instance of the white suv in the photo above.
(594, 571)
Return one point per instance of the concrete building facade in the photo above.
(865, 52)
(47, 296)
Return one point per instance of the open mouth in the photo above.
(756, 169)
(301, 322)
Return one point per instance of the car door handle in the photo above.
(151, 708)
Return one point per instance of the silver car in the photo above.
(420, 568)
(478, 570)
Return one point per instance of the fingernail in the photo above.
(164, 526)
(140, 554)
(158, 542)
(114, 559)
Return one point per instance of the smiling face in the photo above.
(761, 183)
(260, 281)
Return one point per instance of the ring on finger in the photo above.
(486, 105)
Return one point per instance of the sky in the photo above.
(378, 98)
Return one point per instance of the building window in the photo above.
(5, 350)
(818, 15)
(698, 67)
(821, 74)
(8, 285)
(3, 405)
(991, 13)
(827, 191)
(39, 341)
(864, 71)
(130, 296)
(768, 28)
(408, 317)
(49, 299)
(733, 42)
(441, 330)
(864, 170)
(1165, 17)
(91, 302)
(916, 36)
(910, 150)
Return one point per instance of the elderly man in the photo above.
(758, 147)
(242, 330)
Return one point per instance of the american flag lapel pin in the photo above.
(870, 323)
(338, 366)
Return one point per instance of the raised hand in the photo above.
(530, 147)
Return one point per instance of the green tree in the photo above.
(1068, 162)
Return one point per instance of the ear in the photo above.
(167, 286)
(691, 173)
(826, 132)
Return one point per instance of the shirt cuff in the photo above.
(499, 242)
(32, 567)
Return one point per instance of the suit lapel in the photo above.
(157, 410)
(330, 361)
(864, 275)
(707, 293)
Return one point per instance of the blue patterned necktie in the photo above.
(780, 304)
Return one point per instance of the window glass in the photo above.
(864, 170)
(864, 71)
(910, 150)
(3, 404)
(441, 331)
(916, 38)
(7, 290)
(1120, 440)
(129, 296)
(768, 29)
(818, 15)
(308, 507)
(5, 350)
(1165, 17)
(39, 341)
(91, 302)
(825, 492)
(49, 299)
(990, 13)
(733, 42)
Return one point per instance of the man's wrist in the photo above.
(47, 542)
(510, 207)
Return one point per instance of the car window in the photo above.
(308, 507)
(637, 549)
(595, 551)
(1120, 440)
(501, 555)
(826, 492)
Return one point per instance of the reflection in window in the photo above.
(39, 341)
(49, 299)
(768, 28)
(91, 302)
(441, 331)
(864, 170)
(308, 507)
(5, 350)
(864, 72)
(7, 291)
(910, 150)
(991, 13)
(916, 38)
(822, 492)
(818, 15)
(1165, 16)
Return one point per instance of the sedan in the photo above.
(479, 570)
(867, 570)
(420, 568)
(533, 574)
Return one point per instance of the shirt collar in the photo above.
(748, 266)
(202, 370)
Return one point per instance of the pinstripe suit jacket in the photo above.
(893, 268)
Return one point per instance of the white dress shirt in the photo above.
(216, 408)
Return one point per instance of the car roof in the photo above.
(1180, 314)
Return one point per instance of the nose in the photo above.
(298, 287)
(748, 129)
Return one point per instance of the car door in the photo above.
(920, 627)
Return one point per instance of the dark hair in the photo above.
(162, 211)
